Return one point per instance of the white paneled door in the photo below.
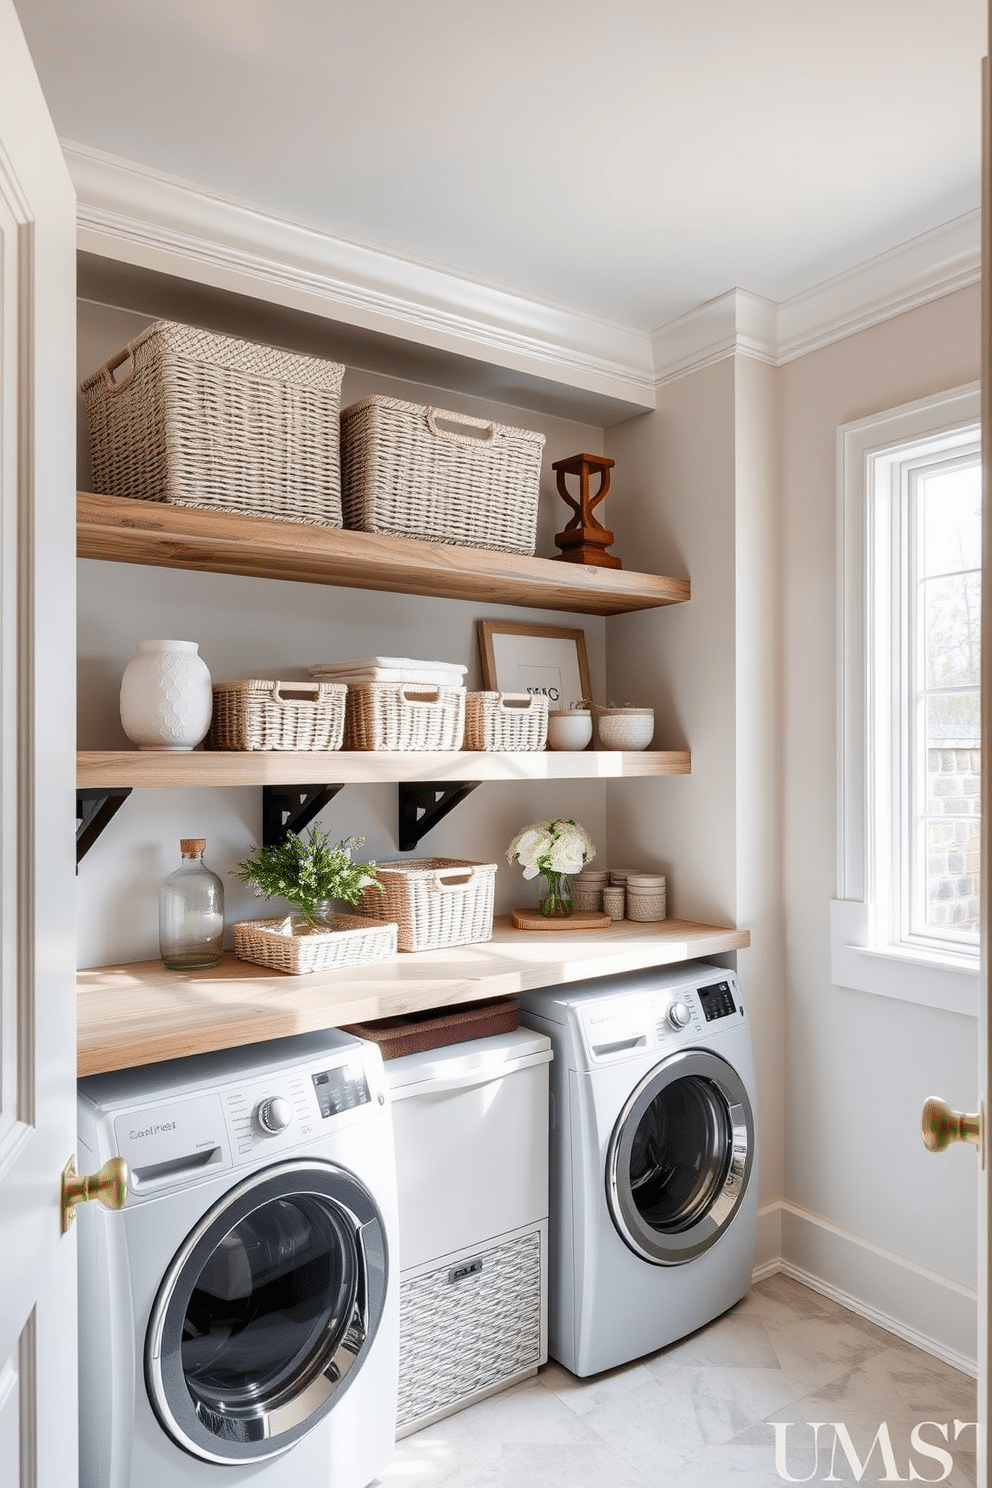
(984, 1477)
(37, 727)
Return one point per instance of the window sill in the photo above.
(948, 983)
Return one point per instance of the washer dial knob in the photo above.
(274, 1114)
(679, 1015)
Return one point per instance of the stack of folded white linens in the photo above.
(391, 669)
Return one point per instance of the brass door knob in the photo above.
(109, 1185)
(942, 1126)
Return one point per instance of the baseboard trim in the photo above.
(768, 1242)
(882, 1319)
(930, 1311)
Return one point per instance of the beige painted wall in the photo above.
(697, 493)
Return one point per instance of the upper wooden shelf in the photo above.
(151, 532)
(207, 767)
(140, 1013)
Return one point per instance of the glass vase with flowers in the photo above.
(555, 849)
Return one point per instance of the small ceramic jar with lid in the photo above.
(614, 902)
(587, 889)
(646, 896)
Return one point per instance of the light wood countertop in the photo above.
(139, 1013)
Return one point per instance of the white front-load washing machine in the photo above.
(239, 1317)
(653, 1147)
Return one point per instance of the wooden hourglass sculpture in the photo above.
(585, 540)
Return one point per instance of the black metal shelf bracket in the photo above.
(96, 807)
(290, 808)
(422, 805)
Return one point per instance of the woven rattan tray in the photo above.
(413, 1033)
(348, 940)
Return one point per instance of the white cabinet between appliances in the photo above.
(470, 1123)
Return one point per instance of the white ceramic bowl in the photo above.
(569, 729)
(625, 728)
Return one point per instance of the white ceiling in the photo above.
(629, 160)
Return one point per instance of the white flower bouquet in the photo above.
(551, 847)
(556, 849)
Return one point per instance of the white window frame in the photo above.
(863, 955)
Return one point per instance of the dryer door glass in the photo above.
(680, 1157)
(266, 1311)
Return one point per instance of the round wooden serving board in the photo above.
(579, 919)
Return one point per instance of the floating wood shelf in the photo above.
(141, 1014)
(151, 532)
(202, 767)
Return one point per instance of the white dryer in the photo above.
(653, 1148)
(239, 1317)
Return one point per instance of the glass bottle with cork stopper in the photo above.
(191, 911)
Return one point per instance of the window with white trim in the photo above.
(905, 921)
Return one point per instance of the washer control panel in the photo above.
(341, 1089)
(230, 1116)
(613, 1028)
(717, 1001)
(277, 1113)
(288, 1108)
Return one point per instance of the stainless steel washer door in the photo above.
(266, 1312)
(680, 1157)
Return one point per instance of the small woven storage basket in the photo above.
(199, 419)
(505, 720)
(435, 901)
(401, 473)
(398, 715)
(277, 715)
(349, 940)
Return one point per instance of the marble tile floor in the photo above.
(698, 1414)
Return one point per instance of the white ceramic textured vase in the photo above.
(166, 697)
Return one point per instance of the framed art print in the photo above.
(548, 660)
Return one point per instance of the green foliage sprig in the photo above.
(308, 870)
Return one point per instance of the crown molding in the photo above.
(134, 215)
(736, 323)
(927, 267)
(142, 217)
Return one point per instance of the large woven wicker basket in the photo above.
(399, 715)
(435, 901)
(198, 419)
(277, 715)
(505, 720)
(404, 474)
(346, 940)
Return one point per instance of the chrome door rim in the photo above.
(702, 1232)
(325, 1376)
